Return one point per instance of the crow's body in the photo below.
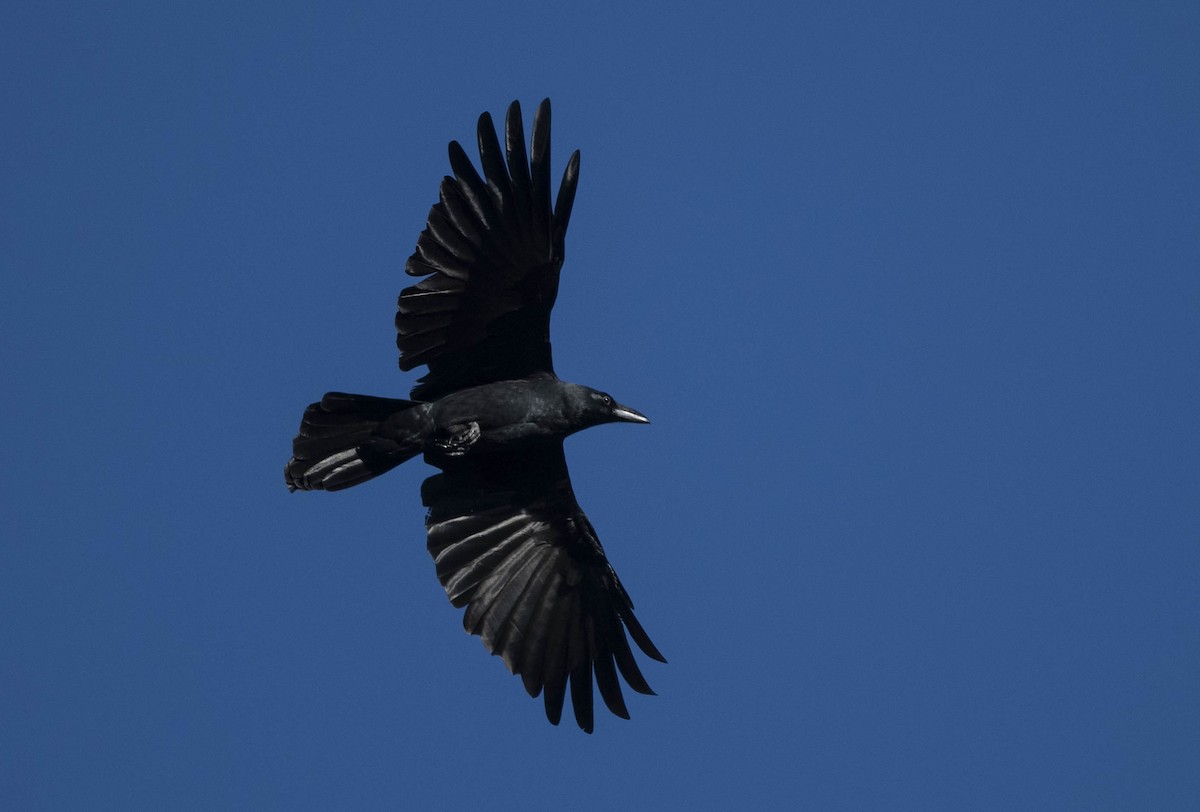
(509, 540)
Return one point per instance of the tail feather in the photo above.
(347, 439)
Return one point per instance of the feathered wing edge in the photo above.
(540, 594)
(491, 247)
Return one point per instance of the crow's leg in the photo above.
(461, 437)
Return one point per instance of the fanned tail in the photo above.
(347, 439)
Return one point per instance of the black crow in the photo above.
(510, 542)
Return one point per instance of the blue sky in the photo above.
(910, 292)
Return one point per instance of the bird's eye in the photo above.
(608, 401)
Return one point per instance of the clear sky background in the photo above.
(910, 291)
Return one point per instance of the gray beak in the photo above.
(628, 415)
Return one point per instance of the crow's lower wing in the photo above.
(512, 545)
(490, 254)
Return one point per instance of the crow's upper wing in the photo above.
(490, 255)
(512, 545)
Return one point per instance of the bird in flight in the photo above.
(509, 540)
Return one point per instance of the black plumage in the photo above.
(508, 538)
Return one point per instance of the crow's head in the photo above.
(592, 407)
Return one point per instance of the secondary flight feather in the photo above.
(509, 541)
